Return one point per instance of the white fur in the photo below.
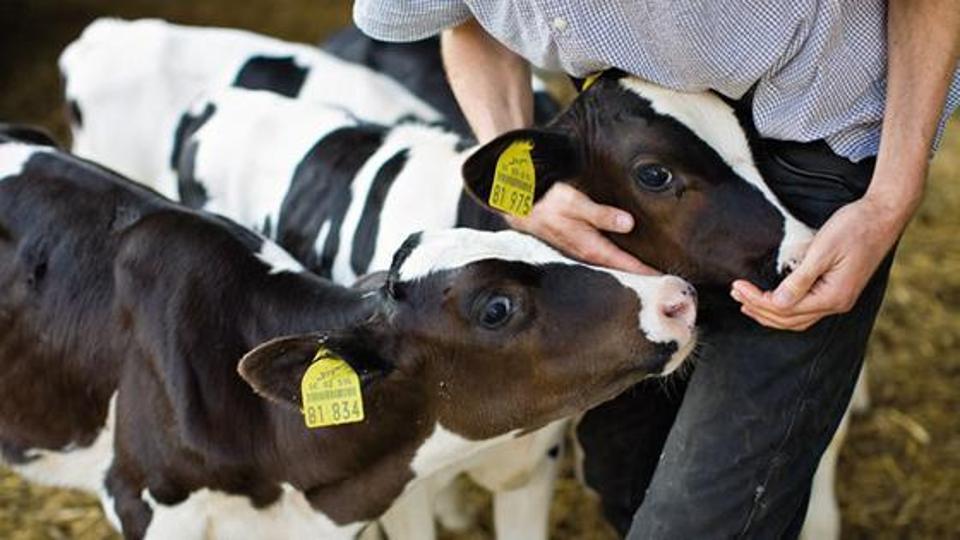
(444, 448)
(713, 121)
(278, 259)
(133, 80)
(522, 475)
(424, 195)
(409, 517)
(13, 157)
(212, 515)
(822, 521)
(249, 187)
(73, 467)
(860, 403)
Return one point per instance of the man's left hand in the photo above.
(837, 266)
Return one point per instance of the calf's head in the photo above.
(494, 332)
(680, 163)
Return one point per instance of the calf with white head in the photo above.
(125, 317)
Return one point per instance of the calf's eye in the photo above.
(496, 311)
(653, 177)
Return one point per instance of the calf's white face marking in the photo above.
(713, 121)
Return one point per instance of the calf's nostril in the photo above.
(674, 310)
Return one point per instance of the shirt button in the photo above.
(559, 24)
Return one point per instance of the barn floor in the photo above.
(900, 470)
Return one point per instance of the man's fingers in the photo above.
(607, 218)
(791, 320)
(773, 320)
(590, 246)
(827, 296)
(795, 286)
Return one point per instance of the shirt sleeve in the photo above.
(407, 20)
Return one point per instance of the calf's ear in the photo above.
(554, 156)
(275, 369)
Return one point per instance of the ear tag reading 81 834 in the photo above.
(514, 180)
(330, 390)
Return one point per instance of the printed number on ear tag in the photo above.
(514, 180)
(331, 392)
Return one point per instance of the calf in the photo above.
(128, 83)
(139, 345)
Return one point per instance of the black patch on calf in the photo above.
(473, 215)
(192, 193)
(280, 75)
(365, 237)
(14, 454)
(188, 125)
(399, 257)
(26, 134)
(320, 191)
(74, 113)
(184, 156)
(267, 228)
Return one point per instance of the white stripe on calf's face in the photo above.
(455, 248)
(714, 122)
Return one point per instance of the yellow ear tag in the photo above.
(331, 392)
(588, 82)
(514, 180)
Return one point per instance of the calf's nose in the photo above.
(678, 306)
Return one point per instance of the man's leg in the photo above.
(762, 404)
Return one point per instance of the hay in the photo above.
(900, 470)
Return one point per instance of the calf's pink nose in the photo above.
(680, 306)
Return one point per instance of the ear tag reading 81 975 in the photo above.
(514, 180)
(330, 390)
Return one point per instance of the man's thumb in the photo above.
(796, 285)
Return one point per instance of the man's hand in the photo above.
(568, 220)
(840, 261)
(923, 44)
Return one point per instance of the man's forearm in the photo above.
(491, 83)
(923, 42)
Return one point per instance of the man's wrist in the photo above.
(895, 207)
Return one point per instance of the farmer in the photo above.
(850, 98)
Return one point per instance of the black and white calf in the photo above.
(141, 357)
(128, 83)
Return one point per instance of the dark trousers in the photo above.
(730, 452)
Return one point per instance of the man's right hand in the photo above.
(492, 86)
(569, 221)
